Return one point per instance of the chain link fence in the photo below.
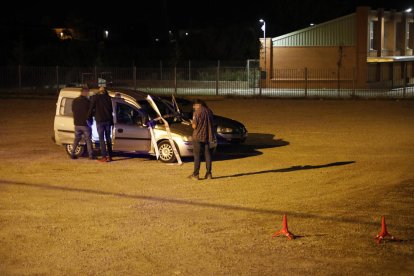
(212, 78)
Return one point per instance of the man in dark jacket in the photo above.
(82, 121)
(203, 135)
(101, 107)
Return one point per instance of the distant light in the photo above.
(408, 10)
(312, 24)
(106, 33)
(61, 34)
(170, 32)
(186, 34)
(157, 40)
(261, 20)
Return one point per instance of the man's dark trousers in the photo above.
(197, 148)
(104, 132)
(86, 132)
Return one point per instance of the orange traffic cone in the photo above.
(384, 233)
(284, 231)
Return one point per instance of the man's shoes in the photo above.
(102, 159)
(108, 159)
(72, 156)
(209, 176)
(194, 177)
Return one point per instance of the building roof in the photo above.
(338, 32)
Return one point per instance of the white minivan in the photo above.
(130, 133)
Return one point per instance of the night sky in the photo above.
(140, 30)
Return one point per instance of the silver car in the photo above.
(130, 132)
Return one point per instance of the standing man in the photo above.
(82, 121)
(202, 124)
(101, 107)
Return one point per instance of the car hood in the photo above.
(183, 129)
(227, 122)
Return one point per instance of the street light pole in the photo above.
(264, 40)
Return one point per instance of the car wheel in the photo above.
(166, 152)
(80, 150)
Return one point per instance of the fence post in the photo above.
(339, 80)
(260, 81)
(306, 82)
(189, 70)
(353, 82)
(160, 69)
(57, 78)
(247, 73)
(134, 71)
(217, 77)
(254, 81)
(405, 79)
(19, 72)
(175, 79)
(96, 75)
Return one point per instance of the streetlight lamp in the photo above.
(264, 40)
(408, 10)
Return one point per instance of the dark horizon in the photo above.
(231, 29)
(164, 15)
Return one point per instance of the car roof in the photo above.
(113, 92)
(136, 94)
(128, 95)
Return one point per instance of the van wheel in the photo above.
(80, 150)
(166, 152)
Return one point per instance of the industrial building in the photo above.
(365, 49)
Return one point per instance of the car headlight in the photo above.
(224, 130)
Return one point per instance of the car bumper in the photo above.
(185, 148)
(225, 138)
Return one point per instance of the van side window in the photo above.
(66, 107)
(126, 114)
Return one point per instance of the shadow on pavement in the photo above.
(291, 169)
(251, 147)
(120, 156)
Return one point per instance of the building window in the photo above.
(371, 35)
(389, 35)
(400, 33)
(410, 35)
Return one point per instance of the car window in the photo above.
(66, 107)
(126, 114)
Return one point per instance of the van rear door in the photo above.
(63, 124)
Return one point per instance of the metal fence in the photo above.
(200, 79)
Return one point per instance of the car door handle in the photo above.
(120, 130)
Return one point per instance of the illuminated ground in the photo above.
(334, 167)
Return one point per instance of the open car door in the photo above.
(129, 133)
